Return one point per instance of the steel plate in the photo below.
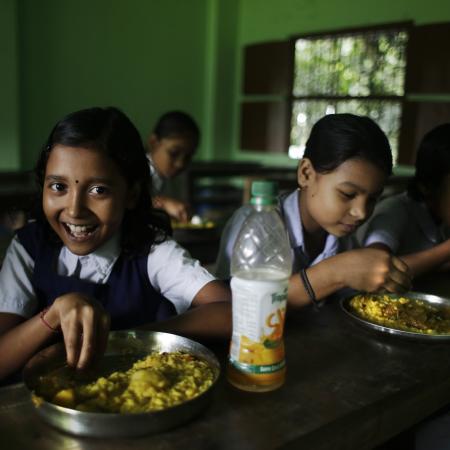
(123, 346)
(428, 298)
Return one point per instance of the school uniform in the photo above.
(133, 290)
(158, 181)
(290, 213)
(404, 225)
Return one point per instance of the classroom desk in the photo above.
(346, 388)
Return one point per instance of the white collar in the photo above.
(102, 259)
(158, 180)
(293, 220)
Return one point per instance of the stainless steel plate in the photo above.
(121, 346)
(428, 298)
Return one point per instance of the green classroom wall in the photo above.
(279, 19)
(9, 87)
(149, 56)
(224, 26)
(146, 57)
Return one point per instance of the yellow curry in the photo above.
(402, 313)
(159, 381)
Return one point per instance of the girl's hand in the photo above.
(176, 209)
(372, 270)
(84, 324)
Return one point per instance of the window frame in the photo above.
(425, 103)
(406, 26)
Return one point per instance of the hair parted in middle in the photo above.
(109, 131)
(336, 138)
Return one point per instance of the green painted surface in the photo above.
(145, 57)
(149, 56)
(9, 88)
(278, 19)
(223, 105)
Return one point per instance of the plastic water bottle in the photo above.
(260, 268)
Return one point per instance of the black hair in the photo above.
(110, 131)
(432, 162)
(336, 138)
(176, 124)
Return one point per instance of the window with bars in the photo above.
(360, 72)
(397, 74)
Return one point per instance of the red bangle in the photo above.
(42, 317)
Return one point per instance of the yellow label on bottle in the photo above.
(259, 308)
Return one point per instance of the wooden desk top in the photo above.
(346, 388)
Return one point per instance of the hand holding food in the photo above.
(84, 324)
(373, 270)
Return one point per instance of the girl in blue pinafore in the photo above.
(96, 255)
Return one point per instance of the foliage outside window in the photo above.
(361, 73)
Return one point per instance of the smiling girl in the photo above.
(345, 165)
(96, 256)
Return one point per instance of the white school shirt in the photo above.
(158, 181)
(293, 222)
(171, 271)
(402, 224)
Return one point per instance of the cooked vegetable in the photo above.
(402, 313)
(159, 381)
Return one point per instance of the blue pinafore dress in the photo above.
(127, 296)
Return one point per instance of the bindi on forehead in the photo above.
(76, 181)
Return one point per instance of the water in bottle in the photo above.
(260, 268)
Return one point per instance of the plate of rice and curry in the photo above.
(146, 382)
(413, 315)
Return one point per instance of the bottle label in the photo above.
(257, 369)
(259, 309)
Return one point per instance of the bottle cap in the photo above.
(264, 192)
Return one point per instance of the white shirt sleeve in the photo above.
(17, 295)
(175, 274)
(387, 225)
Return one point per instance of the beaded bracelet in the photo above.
(42, 317)
(309, 289)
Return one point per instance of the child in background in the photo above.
(424, 243)
(415, 225)
(171, 147)
(345, 165)
(96, 255)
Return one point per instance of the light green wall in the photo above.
(267, 20)
(278, 19)
(145, 57)
(223, 55)
(9, 87)
(149, 56)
